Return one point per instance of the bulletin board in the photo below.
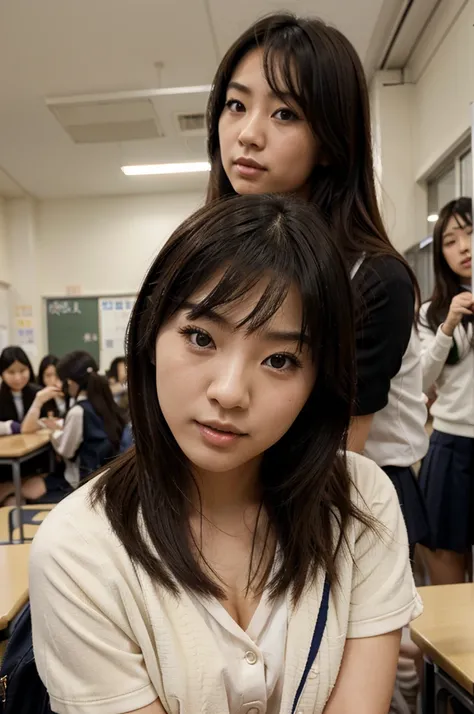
(73, 324)
(114, 316)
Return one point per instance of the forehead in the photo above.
(250, 72)
(288, 315)
(455, 225)
(17, 365)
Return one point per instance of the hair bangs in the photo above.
(282, 66)
(235, 285)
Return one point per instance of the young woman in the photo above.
(289, 113)
(447, 335)
(93, 427)
(48, 377)
(17, 392)
(205, 569)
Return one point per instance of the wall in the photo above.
(105, 245)
(442, 68)
(4, 261)
(421, 115)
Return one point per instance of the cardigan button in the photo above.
(251, 657)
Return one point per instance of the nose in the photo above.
(466, 241)
(230, 386)
(253, 131)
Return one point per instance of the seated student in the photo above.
(117, 376)
(48, 377)
(17, 393)
(199, 571)
(93, 427)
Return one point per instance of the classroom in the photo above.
(236, 357)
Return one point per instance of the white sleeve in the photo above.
(434, 350)
(384, 596)
(5, 428)
(66, 441)
(86, 651)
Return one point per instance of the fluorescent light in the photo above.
(426, 242)
(433, 217)
(161, 169)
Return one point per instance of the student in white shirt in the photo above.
(195, 574)
(91, 432)
(17, 392)
(447, 335)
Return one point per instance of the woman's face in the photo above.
(266, 145)
(16, 376)
(227, 395)
(122, 373)
(50, 377)
(457, 239)
(72, 388)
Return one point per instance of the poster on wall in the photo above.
(24, 330)
(114, 315)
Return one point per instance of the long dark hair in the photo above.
(447, 282)
(321, 70)
(82, 368)
(7, 406)
(305, 483)
(47, 361)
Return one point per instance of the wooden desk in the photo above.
(33, 516)
(445, 633)
(14, 579)
(20, 445)
(14, 451)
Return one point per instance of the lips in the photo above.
(223, 428)
(249, 163)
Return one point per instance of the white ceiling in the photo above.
(51, 48)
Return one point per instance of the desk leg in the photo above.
(52, 460)
(428, 689)
(16, 472)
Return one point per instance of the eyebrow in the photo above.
(285, 96)
(269, 335)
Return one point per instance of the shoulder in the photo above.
(383, 271)
(372, 492)
(423, 313)
(75, 530)
(76, 413)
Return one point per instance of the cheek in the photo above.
(224, 132)
(286, 405)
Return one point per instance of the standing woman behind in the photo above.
(447, 337)
(289, 113)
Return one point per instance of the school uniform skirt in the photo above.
(412, 504)
(447, 483)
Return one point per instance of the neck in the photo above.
(221, 495)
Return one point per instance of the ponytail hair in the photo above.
(82, 368)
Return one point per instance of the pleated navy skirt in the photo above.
(447, 483)
(412, 504)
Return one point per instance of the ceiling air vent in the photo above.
(192, 124)
(94, 122)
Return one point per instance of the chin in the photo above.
(213, 461)
(246, 188)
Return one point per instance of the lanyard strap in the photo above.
(316, 640)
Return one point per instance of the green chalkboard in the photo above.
(73, 324)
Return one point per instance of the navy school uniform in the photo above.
(447, 472)
(389, 381)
